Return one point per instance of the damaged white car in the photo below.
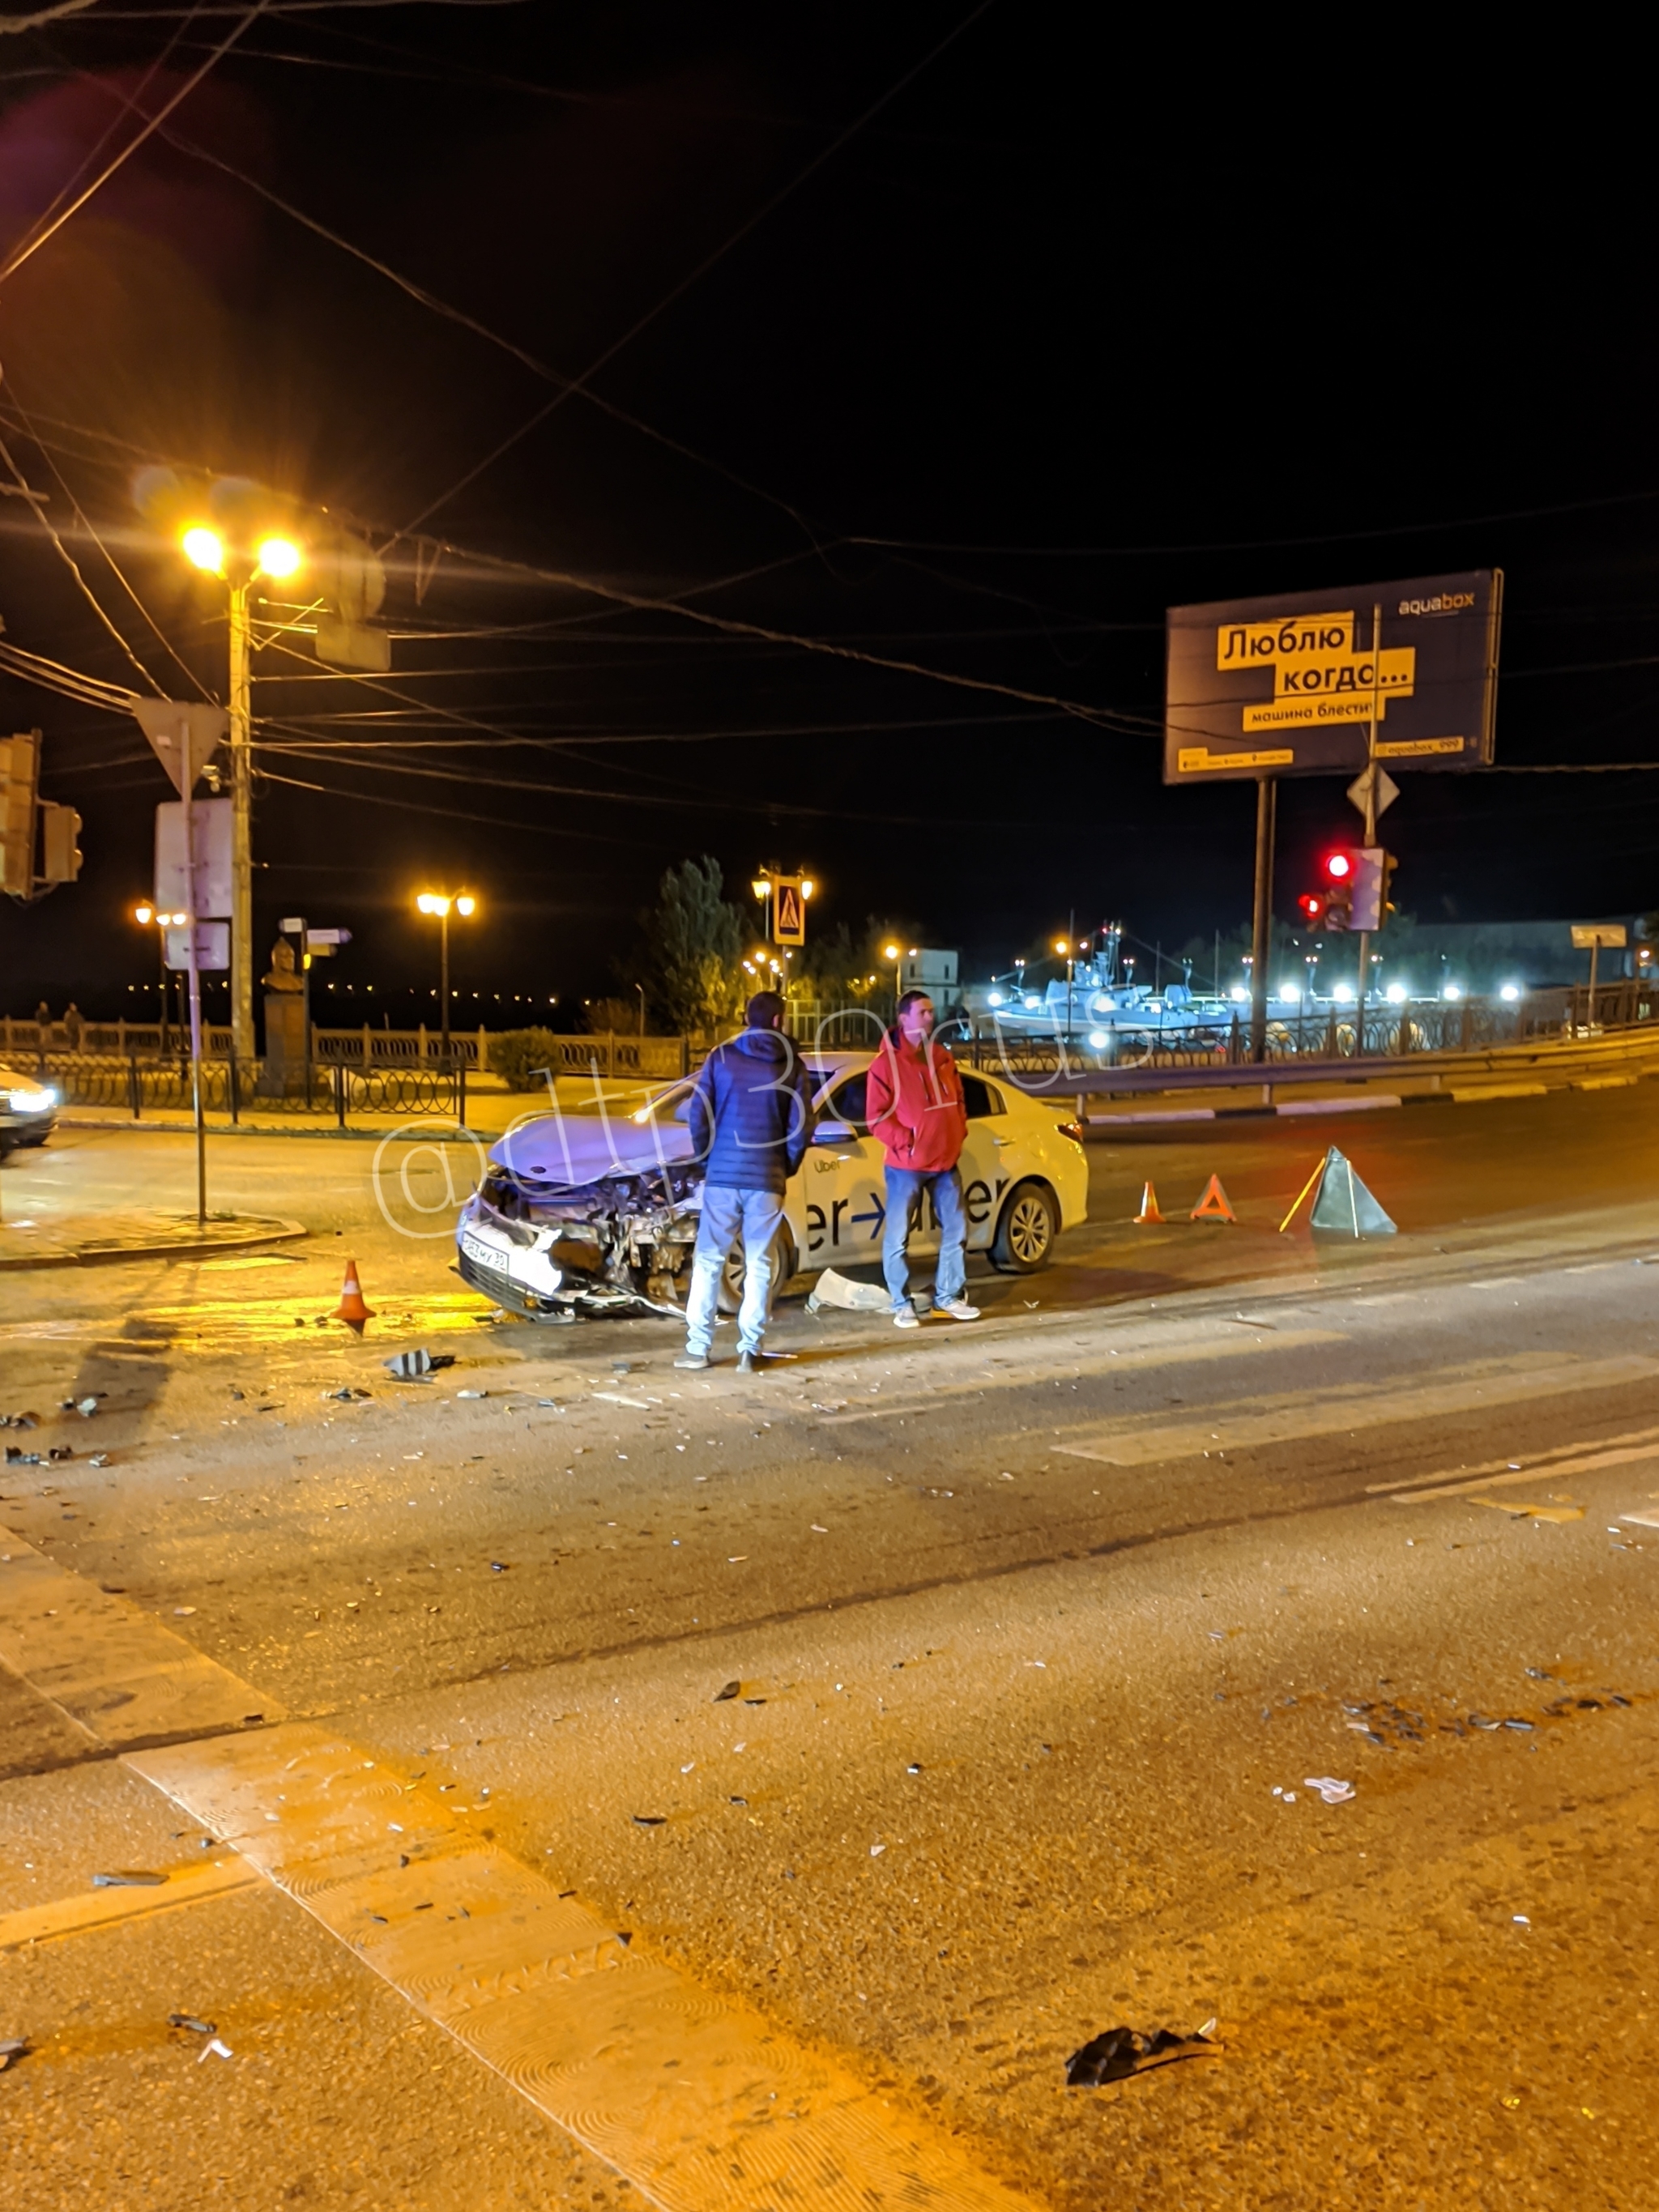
(596, 1212)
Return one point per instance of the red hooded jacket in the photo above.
(915, 1105)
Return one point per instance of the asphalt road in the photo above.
(1038, 1629)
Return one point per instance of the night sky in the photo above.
(1096, 314)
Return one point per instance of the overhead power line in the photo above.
(693, 277)
(35, 239)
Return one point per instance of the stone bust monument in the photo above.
(284, 973)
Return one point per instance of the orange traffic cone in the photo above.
(351, 1310)
(1148, 1206)
(1214, 1206)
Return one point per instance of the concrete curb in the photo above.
(188, 1246)
(402, 1130)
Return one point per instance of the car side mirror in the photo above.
(834, 1133)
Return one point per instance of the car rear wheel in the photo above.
(1024, 1241)
(730, 1295)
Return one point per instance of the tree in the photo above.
(694, 946)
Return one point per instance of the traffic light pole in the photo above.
(1267, 796)
(241, 831)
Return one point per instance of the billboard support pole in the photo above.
(1364, 975)
(1267, 795)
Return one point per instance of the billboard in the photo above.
(1293, 685)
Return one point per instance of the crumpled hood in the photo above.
(577, 1149)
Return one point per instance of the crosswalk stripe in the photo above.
(696, 2098)
(117, 1673)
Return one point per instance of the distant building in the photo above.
(930, 971)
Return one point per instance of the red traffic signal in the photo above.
(1339, 866)
(1312, 905)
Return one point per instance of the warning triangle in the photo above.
(1214, 1206)
(1343, 1206)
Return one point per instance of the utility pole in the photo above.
(241, 835)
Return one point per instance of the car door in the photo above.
(989, 1162)
(843, 1203)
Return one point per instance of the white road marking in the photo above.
(114, 1671)
(103, 1908)
(696, 2098)
(1534, 1464)
(1342, 1407)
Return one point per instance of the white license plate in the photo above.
(487, 1256)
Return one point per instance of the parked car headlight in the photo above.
(32, 1101)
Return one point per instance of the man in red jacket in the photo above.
(915, 1107)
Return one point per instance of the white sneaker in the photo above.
(957, 1308)
(905, 1317)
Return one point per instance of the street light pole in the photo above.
(443, 972)
(241, 829)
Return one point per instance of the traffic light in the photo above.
(60, 849)
(1373, 873)
(1338, 895)
(25, 817)
(20, 769)
(1311, 906)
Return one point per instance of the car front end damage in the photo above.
(554, 1251)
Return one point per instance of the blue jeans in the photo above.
(728, 1214)
(905, 1186)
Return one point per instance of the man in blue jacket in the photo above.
(751, 1118)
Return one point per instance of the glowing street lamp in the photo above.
(442, 905)
(279, 558)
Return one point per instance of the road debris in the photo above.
(833, 1290)
(129, 1878)
(20, 1420)
(472, 1393)
(189, 2020)
(214, 2048)
(99, 1459)
(649, 1819)
(12, 2048)
(17, 1457)
(348, 1395)
(1118, 2053)
(408, 1366)
(1556, 1513)
(1333, 1791)
(731, 1690)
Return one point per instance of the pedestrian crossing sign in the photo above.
(789, 911)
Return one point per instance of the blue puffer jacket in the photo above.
(751, 1111)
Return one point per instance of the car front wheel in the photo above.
(730, 1297)
(1024, 1241)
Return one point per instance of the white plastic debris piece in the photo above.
(218, 2049)
(876, 1850)
(1333, 1791)
(472, 1393)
